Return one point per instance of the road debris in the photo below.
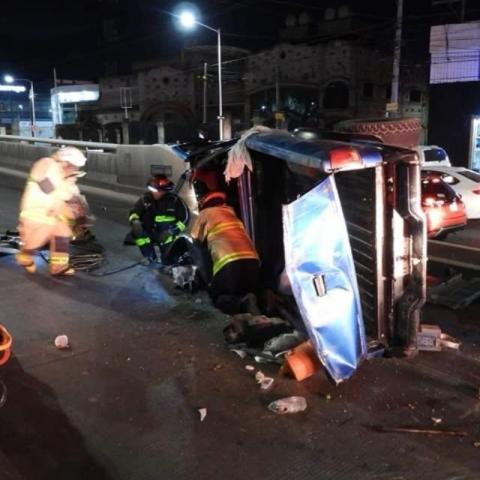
(288, 405)
(250, 368)
(240, 353)
(302, 362)
(456, 293)
(476, 444)
(61, 342)
(437, 420)
(422, 431)
(254, 330)
(430, 338)
(264, 382)
(203, 413)
(3, 393)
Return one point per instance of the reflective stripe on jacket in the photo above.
(225, 235)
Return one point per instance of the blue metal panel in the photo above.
(320, 267)
(309, 153)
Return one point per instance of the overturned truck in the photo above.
(339, 228)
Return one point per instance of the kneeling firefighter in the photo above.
(234, 260)
(157, 218)
(48, 209)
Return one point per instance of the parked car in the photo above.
(432, 155)
(343, 220)
(465, 182)
(443, 208)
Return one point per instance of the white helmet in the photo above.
(71, 155)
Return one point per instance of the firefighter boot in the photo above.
(59, 257)
(25, 259)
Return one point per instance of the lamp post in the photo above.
(188, 20)
(10, 79)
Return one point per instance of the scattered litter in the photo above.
(456, 293)
(423, 431)
(250, 368)
(302, 362)
(254, 330)
(198, 300)
(375, 350)
(61, 342)
(240, 353)
(203, 413)
(264, 382)
(430, 338)
(3, 394)
(437, 420)
(476, 444)
(283, 343)
(328, 397)
(184, 276)
(288, 405)
(449, 342)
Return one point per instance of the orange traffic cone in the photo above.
(5, 345)
(302, 362)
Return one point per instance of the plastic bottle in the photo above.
(288, 405)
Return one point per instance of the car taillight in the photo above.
(432, 202)
(476, 191)
(345, 158)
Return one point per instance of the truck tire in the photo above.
(402, 132)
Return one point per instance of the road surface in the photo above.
(123, 402)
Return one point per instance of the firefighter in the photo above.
(157, 218)
(46, 213)
(234, 259)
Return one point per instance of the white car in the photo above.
(465, 182)
(432, 155)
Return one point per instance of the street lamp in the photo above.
(188, 20)
(10, 79)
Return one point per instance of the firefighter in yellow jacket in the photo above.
(47, 211)
(235, 263)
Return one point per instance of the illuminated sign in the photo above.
(12, 88)
(76, 93)
(76, 97)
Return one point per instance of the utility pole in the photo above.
(393, 106)
(205, 73)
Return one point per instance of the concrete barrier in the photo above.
(116, 168)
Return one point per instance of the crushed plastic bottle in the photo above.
(288, 405)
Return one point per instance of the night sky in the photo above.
(36, 36)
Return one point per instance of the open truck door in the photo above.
(321, 271)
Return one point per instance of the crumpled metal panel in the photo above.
(320, 267)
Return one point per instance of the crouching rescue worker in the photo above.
(46, 211)
(234, 259)
(157, 218)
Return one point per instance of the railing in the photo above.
(59, 142)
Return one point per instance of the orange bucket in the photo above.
(302, 362)
(5, 345)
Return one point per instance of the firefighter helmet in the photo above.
(71, 155)
(160, 183)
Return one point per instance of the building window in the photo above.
(368, 89)
(336, 96)
(415, 96)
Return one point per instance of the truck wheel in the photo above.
(402, 132)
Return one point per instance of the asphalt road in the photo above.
(123, 402)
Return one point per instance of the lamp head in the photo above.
(187, 19)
